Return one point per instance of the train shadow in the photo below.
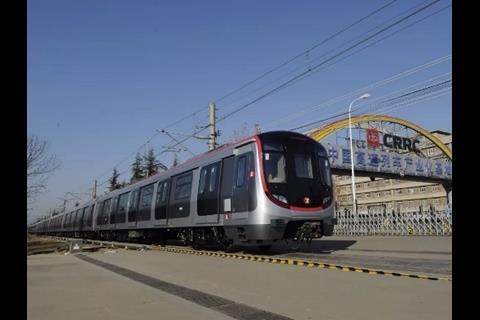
(316, 247)
(281, 247)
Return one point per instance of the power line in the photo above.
(340, 46)
(327, 60)
(381, 105)
(395, 94)
(369, 87)
(373, 43)
(174, 139)
(305, 51)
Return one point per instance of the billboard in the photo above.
(405, 164)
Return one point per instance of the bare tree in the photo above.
(39, 165)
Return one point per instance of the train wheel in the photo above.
(265, 247)
(195, 243)
(230, 247)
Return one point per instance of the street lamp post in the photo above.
(364, 96)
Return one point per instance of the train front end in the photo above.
(296, 186)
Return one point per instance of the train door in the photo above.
(179, 203)
(121, 209)
(145, 203)
(161, 202)
(113, 214)
(208, 193)
(243, 193)
(226, 185)
(91, 220)
(133, 208)
(81, 222)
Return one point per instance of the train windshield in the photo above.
(296, 169)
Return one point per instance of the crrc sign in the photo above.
(391, 141)
(396, 142)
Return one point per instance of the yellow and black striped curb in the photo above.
(287, 261)
(297, 262)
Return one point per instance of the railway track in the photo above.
(290, 259)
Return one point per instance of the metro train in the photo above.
(268, 187)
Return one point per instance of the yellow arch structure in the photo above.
(321, 133)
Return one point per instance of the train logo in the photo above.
(373, 138)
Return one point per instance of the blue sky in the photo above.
(104, 75)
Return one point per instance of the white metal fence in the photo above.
(437, 223)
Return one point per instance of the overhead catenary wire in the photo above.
(298, 69)
(375, 108)
(288, 61)
(371, 44)
(284, 84)
(380, 111)
(350, 94)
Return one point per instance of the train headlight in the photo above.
(280, 198)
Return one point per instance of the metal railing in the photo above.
(437, 223)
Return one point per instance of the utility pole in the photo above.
(212, 141)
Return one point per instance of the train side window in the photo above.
(78, 215)
(325, 174)
(74, 217)
(160, 190)
(122, 207)
(209, 179)
(90, 215)
(132, 206)
(241, 171)
(179, 204)
(146, 197)
(83, 216)
(105, 211)
(213, 181)
(99, 214)
(183, 187)
(69, 221)
(161, 200)
(78, 218)
(207, 200)
(203, 181)
(113, 211)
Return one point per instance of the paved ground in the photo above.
(64, 287)
(425, 255)
(61, 287)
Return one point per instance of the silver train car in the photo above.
(268, 187)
